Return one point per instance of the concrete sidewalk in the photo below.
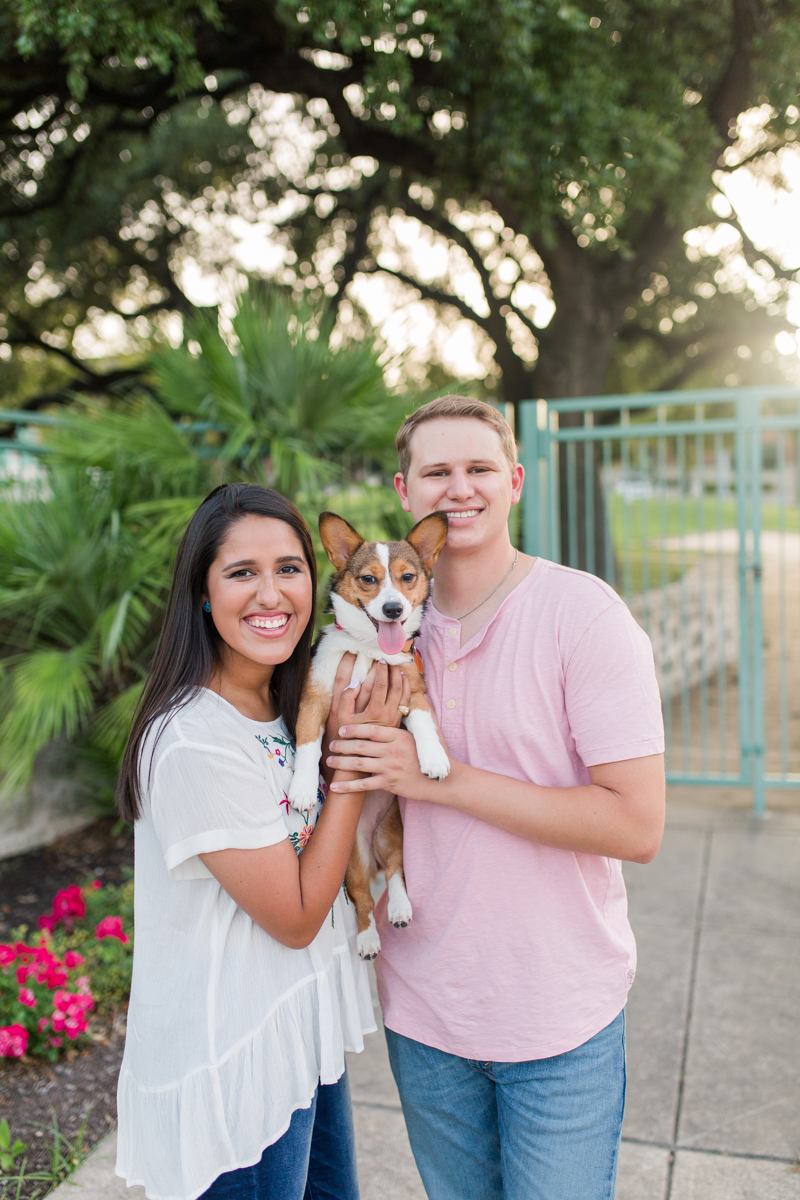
(713, 1022)
(714, 1015)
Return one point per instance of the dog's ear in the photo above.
(428, 538)
(339, 538)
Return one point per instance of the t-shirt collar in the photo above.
(437, 619)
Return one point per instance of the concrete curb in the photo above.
(95, 1178)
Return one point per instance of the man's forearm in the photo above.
(621, 817)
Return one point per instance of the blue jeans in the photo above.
(548, 1129)
(314, 1160)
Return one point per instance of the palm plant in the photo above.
(80, 603)
(287, 406)
(85, 567)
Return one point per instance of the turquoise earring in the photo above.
(206, 606)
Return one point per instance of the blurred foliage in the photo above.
(134, 133)
(86, 553)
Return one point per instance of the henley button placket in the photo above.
(451, 649)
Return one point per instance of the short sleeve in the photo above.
(210, 799)
(611, 693)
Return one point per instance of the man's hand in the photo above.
(388, 756)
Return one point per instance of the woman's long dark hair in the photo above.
(189, 648)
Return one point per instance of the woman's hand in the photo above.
(377, 701)
(344, 674)
(371, 702)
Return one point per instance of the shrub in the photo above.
(80, 963)
(98, 938)
(42, 1000)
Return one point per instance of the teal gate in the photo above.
(688, 504)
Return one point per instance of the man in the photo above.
(504, 1000)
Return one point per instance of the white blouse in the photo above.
(229, 1032)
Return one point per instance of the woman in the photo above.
(247, 988)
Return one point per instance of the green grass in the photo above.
(65, 1157)
(648, 520)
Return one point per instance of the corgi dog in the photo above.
(378, 597)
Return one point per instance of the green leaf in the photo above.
(50, 697)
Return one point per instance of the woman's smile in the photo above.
(268, 624)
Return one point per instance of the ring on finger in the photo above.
(403, 709)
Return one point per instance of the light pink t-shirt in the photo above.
(518, 951)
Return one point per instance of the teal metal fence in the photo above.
(688, 503)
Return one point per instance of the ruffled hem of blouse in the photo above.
(175, 1141)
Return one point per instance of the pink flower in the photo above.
(69, 904)
(72, 960)
(54, 975)
(22, 973)
(27, 998)
(70, 1011)
(7, 956)
(13, 1041)
(56, 1042)
(96, 884)
(42, 1024)
(111, 927)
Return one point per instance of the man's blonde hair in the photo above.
(454, 406)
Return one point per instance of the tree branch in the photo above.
(31, 339)
(358, 249)
(441, 225)
(779, 144)
(93, 381)
(752, 253)
(429, 293)
(95, 387)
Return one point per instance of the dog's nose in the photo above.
(392, 610)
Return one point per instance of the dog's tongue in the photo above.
(391, 636)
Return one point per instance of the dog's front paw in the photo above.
(368, 941)
(305, 780)
(433, 760)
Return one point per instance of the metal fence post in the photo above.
(757, 718)
(532, 491)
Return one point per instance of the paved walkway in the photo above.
(713, 1028)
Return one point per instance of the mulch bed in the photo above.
(85, 1077)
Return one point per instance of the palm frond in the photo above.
(49, 696)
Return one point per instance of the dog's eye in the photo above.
(409, 577)
(370, 579)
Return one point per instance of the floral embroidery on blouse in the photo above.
(278, 748)
(300, 840)
(282, 751)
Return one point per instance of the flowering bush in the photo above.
(36, 1008)
(79, 963)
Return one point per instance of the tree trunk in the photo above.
(574, 353)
